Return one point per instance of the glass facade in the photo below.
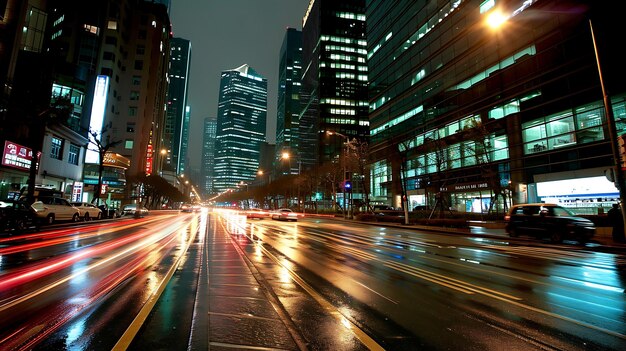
(208, 155)
(335, 78)
(464, 115)
(175, 131)
(289, 103)
(241, 120)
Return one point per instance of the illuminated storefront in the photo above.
(16, 161)
(113, 179)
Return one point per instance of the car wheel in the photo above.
(514, 232)
(75, 217)
(99, 216)
(86, 216)
(50, 219)
(20, 224)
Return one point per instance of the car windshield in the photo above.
(562, 212)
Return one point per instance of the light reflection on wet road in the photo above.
(344, 285)
(52, 282)
(455, 292)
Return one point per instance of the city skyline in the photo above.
(261, 27)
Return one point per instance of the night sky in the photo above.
(225, 34)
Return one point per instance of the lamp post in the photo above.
(287, 156)
(163, 153)
(610, 119)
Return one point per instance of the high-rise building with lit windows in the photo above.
(334, 84)
(241, 120)
(208, 156)
(475, 118)
(176, 129)
(289, 103)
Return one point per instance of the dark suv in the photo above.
(548, 220)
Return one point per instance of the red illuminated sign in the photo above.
(149, 160)
(17, 156)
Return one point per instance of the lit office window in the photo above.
(73, 155)
(56, 148)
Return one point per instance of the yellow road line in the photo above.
(124, 342)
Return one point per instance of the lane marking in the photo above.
(375, 292)
(358, 333)
(452, 283)
(125, 340)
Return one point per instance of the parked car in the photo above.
(256, 213)
(284, 214)
(109, 212)
(16, 215)
(548, 220)
(88, 211)
(49, 209)
(378, 208)
(134, 210)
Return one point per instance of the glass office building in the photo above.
(469, 117)
(176, 129)
(334, 83)
(241, 120)
(289, 103)
(208, 155)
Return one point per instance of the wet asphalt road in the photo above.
(224, 282)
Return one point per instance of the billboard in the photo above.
(97, 116)
(17, 156)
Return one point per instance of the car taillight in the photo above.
(507, 218)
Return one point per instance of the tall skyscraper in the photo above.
(176, 124)
(334, 86)
(289, 103)
(208, 155)
(183, 159)
(241, 120)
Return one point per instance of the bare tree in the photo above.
(95, 139)
(358, 162)
(481, 148)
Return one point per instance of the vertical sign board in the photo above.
(77, 192)
(149, 159)
(149, 155)
(621, 146)
(98, 108)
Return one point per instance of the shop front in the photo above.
(584, 192)
(475, 197)
(113, 190)
(16, 161)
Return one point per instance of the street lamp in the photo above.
(163, 153)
